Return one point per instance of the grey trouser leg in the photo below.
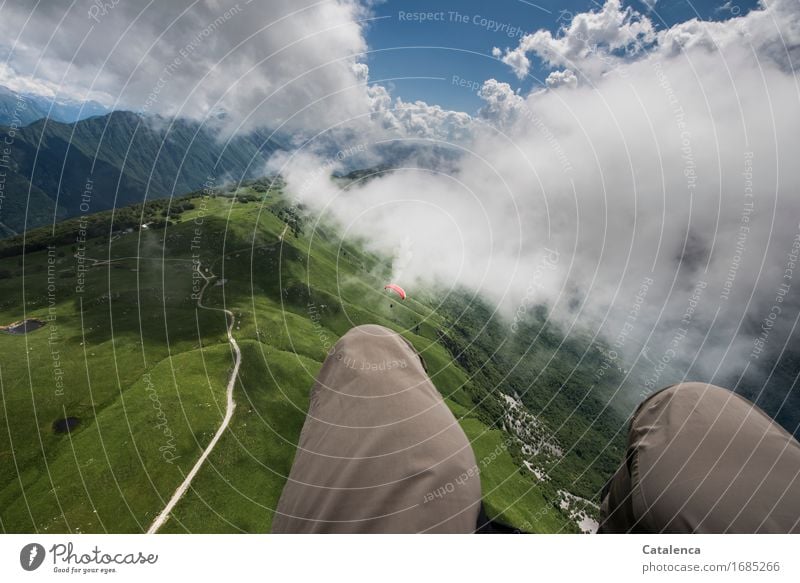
(379, 450)
(703, 459)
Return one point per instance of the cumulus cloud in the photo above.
(501, 104)
(564, 78)
(417, 119)
(596, 42)
(591, 42)
(773, 32)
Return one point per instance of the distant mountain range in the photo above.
(21, 109)
(52, 170)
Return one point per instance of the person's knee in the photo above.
(371, 340)
(696, 390)
(702, 458)
(368, 330)
(361, 338)
(684, 396)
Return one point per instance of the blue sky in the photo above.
(459, 44)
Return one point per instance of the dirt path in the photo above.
(231, 405)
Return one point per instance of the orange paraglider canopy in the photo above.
(396, 289)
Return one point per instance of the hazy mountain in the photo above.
(21, 109)
(16, 109)
(121, 158)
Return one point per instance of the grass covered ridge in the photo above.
(129, 354)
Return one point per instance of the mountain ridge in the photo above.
(54, 170)
(22, 109)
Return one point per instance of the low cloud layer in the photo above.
(658, 189)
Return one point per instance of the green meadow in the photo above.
(126, 353)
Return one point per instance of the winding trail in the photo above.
(231, 405)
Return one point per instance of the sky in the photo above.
(459, 39)
(437, 52)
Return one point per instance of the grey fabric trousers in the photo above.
(379, 451)
(702, 459)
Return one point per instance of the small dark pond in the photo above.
(23, 327)
(66, 424)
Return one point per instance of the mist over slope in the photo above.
(652, 201)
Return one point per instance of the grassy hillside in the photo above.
(126, 351)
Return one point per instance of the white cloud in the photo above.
(417, 119)
(599, 41)
(501, 104)
(27, 84)
(590, 42)
(565, 78)
(773, 32)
